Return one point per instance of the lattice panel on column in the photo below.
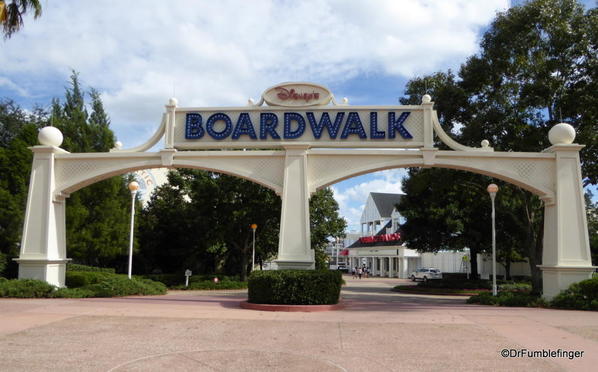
(415, 125)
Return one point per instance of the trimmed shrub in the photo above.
(117, 285)
(209, 284)
(175, 281)
(457, 284)
(295, 287)
(512, 299)
(25, 288)
(515, 287)
(77, 267)
(579, 296)
(72, 293)
(76, 279)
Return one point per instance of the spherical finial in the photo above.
(345, 101)
(561, 134)
(173, 102)
(253, 226)
(485, 143)
(492, 188)
(250, 102)
(118, 145)
(133, 186)
(50, 136)
(426, 98)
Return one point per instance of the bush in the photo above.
(515, 287)
(72, 293)
(175, 281)
(117, 285)
(512, 299)
(580, 296)
(25, 288)
(457, 284)
(77, 267)
(209, 284)
(76, 279)
(295, 287)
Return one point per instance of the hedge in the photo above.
(295, 287)
(518, 299)
(580, 296)
(78, 267)
(209, 284)
(25, 288)
(176, 280)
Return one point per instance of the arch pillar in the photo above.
(566, 257)
(294, 244)
(43, 245)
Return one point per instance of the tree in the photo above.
(201, 220)
(537, 66)
(325, 223)
(18, 130)
(11, 15)
(97, 216)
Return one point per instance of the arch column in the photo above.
(294, 244)
(566, 257)
(43, 249)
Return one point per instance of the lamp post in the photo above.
(492, 190)
(253, 227)
(133, 187)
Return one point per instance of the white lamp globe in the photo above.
(561, 134)
(426, 98)
(133, 186)
(492, 188)
(50, 136)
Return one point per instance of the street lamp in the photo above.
(133, 187)
(253, 227)
(492, 190)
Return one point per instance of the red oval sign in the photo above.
(297, 94)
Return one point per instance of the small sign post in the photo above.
(187, 275)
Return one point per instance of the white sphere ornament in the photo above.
(50, 136)
(485, 143)
(133, 186)
(426, 98)
(173, 101)
(561, 134)
(118, 145)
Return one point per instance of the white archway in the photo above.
(300, 163)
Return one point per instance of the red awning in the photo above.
(344, 252)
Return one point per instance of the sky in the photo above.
(220, 53)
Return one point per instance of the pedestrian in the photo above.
(359, 272)
(354, 272)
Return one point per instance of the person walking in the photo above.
(359, 272)
(354, 272)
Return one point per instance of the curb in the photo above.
(291, 308)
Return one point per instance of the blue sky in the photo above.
(220, 53)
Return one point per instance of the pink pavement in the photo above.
(377, 330)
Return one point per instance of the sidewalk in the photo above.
(379, 330)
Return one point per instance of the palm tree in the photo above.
(11, 14)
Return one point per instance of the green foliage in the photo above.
(78, 267)
(15, 12)
(211, 285)
(97, 216)
(457, 284)
(295, 287)
(175, 280)
(25, 288)
(75, 279)
(120, 285)
(579, 296)
(201, 221)
(325, 222)
(72, 293)
(513, 299)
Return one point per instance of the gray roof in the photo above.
(385, 202)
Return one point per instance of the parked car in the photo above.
(425, 274)
(343, 268)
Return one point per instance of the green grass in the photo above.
(428, 290)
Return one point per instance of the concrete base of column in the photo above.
(294, 265)
(51, 271)
(558, 278)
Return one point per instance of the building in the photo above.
(381, 249)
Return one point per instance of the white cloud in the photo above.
(352, 198)
(221, 53)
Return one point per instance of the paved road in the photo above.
(379, 330)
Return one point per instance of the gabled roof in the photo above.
(385, 202)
